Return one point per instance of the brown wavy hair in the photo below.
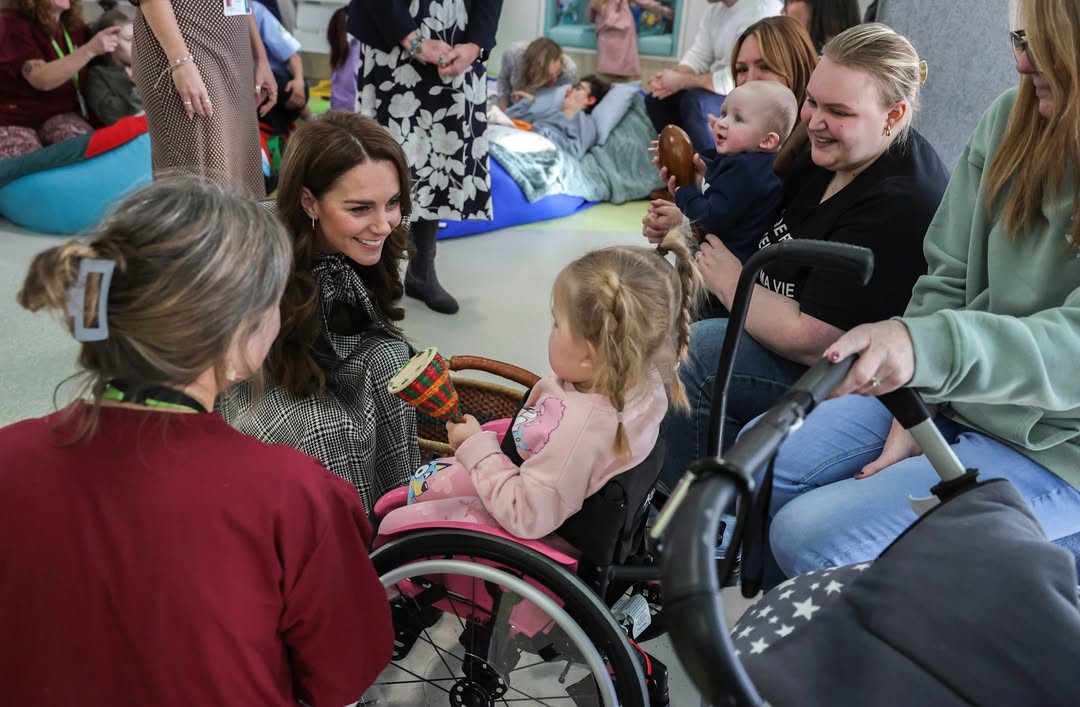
(1037, 154)
(536, 60)
(40, 11)
(786, 48)
(318, 154)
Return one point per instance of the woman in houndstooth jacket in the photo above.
(344, 195)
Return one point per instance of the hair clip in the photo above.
(76, 303)
(923, 70)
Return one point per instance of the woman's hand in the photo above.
(265, 87)
(189, 84)
(458, 432)
(661, 217)
(666, 83)
(886, 358)
(105, 41)
(458, 60)
(719, 268)
(523, 96)
(431, 51)
(899, 445)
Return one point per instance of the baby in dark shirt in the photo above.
(737, 194)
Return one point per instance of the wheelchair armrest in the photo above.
(391, 500)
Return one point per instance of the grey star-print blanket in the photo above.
(970, 606)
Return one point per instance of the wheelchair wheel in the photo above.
(493, 622)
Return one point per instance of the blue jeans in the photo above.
(689, 110)
(822, 517)
(758, 379)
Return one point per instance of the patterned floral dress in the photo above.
(439, 122)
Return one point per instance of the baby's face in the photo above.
(741, 125)
(122, 53)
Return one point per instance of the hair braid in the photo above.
(690, 285)
(616, 358)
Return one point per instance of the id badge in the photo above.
(236, 7)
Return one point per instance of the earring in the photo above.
(888, 130)
(312, 224)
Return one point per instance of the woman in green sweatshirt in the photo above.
(991, 334)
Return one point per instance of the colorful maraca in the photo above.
(424, 382)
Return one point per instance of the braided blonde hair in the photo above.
(635, 309)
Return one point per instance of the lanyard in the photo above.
(151, 396)
(75, 78)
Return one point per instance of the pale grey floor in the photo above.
(502, 279)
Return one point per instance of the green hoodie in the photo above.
(996, 321)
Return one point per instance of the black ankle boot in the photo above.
(421, 281)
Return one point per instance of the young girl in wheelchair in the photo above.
(621, 324)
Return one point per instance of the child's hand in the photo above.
(661, 217)
(699, 171)
(295, 89)
(522, 96)
(458, 432)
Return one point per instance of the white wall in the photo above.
(521, 21)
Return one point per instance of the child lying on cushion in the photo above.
(568, 123)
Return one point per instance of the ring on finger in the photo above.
(874, 382)
(187, 103)
(206, 101)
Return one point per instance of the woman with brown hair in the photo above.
(151, 554)
(344, 196)
(44, 53)
(524, 70)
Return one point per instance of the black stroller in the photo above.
(970, 606)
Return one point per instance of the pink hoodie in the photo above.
(566, 439)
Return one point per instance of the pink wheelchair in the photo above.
(484, 618)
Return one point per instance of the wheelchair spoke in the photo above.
(539, 700)
(457, 658)
(526, 667)
(439, 652)
(419, 679)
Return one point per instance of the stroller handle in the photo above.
(854, 262)
(692, 607)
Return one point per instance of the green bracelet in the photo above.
(414, 45)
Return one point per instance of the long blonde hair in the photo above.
(196, 266)
(1036, 154)
(631, 305)
(886, 57)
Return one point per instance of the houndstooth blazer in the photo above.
(360, 431)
